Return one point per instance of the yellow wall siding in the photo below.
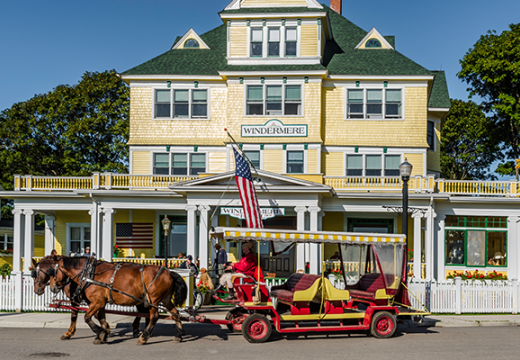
(217, 162)
(332, 164)
(273, 161)
(238, 41)
(267, 3)
(434, 157)
(312, 161)
(332, 221)
(385, 133)
(39, 246)
(141, 163)
(309, 43)
(417, 161)
(62, 219)
(146, 131)
(236, 117)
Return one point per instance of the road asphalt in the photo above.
(61, 320)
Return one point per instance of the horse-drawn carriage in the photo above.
(371, 300)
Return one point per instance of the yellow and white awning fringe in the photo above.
(242, 234)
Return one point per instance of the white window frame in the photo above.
(265, 39)
(170, 162)
(295, 147)
(364, 162)
(190, 104)
(264, 98)
(384, 103)
(260, 156)
(82, 231)
(5, 241)
(434, 135)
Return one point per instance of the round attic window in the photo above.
(191, 43)
(373, 43)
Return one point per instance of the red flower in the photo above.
(481, 276)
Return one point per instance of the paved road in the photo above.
(213, 342)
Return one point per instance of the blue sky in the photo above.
(48, 43)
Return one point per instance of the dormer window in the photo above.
(373, 43)
(192, 43)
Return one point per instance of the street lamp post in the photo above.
(166, 226)
(405, 170)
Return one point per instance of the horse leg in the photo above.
(101, 333)
(154, 316)
(177, 318)
(101, 317)
(136, 324)
(72, 328)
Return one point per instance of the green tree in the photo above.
(492, 69)
(70, 131)
(468, 145)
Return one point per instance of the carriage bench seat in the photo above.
(298, 287)
(368, 286)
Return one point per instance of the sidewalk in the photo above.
(62, 320)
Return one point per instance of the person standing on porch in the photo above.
(220, 260)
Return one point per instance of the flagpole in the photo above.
(240, 149)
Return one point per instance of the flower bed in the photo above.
(476, 275)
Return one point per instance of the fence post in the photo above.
(440, 185)
(458, 295)
(96, 180)
(18, 291)
(515, 296)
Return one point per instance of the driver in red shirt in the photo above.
(247, 265)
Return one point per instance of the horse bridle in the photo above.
(34, 274)
(55, 274)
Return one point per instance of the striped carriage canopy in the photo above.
(294, 236)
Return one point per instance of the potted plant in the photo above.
(118, 252)
(5, 270)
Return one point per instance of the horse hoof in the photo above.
(177, 340)
(97, 342)
(64, 337)
(103, 337)
(140, 342)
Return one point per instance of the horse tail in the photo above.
(180, 290)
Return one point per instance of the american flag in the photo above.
(134, 235)
(247, 191)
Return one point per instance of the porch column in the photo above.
(417, 254)
(191, 236)
(321, 214)
(203, 235)
(313, 248)
(49, 234)
(513, 247)
(440, 274)
(94, 231)
(107, 242)
(300, 226)
(17, 240)
(29, 240)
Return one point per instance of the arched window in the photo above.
(191, 43)
(373, 43)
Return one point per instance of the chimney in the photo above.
(336, 6)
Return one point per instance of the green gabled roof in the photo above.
(340, 58)
(439, 97)
(270, 10)
(189, 61)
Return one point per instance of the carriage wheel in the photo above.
(236, 318)
(383, 325)
(256, 328)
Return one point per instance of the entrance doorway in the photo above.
(282, 265)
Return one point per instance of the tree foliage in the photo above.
(468, 144)
(492, 69)
(70, 131)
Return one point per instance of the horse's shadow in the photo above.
(164, 333)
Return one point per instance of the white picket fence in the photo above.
(450, 296)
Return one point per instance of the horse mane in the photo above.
(72, 262)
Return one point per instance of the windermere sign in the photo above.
(274, 128)
(238, 212)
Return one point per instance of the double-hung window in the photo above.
(274, 100)
(274, 42)
(374, 104)
(181, 104)
(373, 165)
(161, 163)
(291, 41)
(257, 42)
(430, 136)
(295, 162)
(181, 163)
(254, 157)
(6, 242)
(79, 237)
(197, 163)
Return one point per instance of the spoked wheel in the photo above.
(236, 318)
(383, 325)
(198, 299)
(257, 328)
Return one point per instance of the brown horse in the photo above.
(102, 283)
(42, 275)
